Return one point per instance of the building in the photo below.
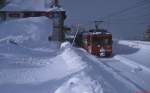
(34, 8)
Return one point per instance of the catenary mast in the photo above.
(58, 22)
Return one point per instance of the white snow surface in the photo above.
(24, 30)
(80, 84)
(29, 63)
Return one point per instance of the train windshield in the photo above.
(107, 41)
(102, 41)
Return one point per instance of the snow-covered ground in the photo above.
(131, 61)
(31, 64)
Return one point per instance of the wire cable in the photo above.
(137, 4)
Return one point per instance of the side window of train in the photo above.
(112, 41)
(108, 41)
(85, 42)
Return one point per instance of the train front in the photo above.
(98, 44)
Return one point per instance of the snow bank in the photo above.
(69, 71)
(80, 83)
(73, 60)
(28, 31)
(137, 67)
(136, 44)
(65, 45)
(133, 65)
(38, 69)
(67, 64)
(128, 43)
(141, 56)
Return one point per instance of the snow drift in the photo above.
(42, 69)
(28, 59)
(28, 31)
(31, 64)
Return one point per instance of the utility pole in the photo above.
(58, 22)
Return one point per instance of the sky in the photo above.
(130, 24)
(127, 25)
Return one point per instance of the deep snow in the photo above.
(31, 64)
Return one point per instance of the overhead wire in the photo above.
(140, 12)
(137, 4)
(136, 18)
(132, 18)
(123, 11)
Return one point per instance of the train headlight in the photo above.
(102, 52)
(98, 45)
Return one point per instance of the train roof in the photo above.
(97, 32)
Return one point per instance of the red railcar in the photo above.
(96, 42)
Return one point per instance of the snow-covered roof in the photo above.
(30, 5)
(97, 33)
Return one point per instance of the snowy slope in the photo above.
(119, 74)
(131, 62)
(31, 64)
(141, 55)
(22, 31)
(71, 71)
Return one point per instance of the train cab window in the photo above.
(85, 42)
(97, 41)
(107, 41)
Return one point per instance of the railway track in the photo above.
(131, 74)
